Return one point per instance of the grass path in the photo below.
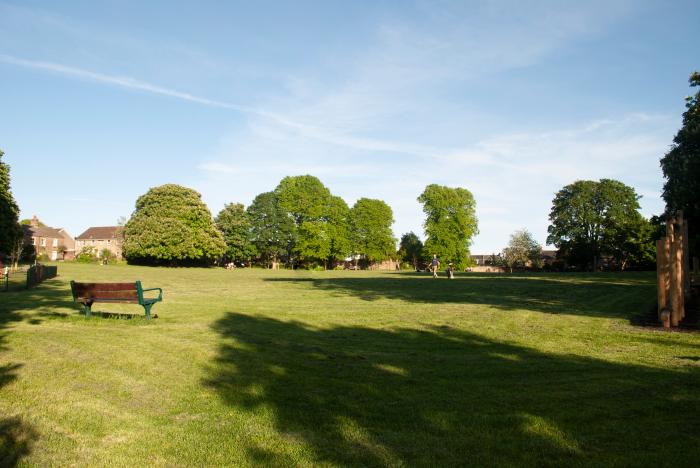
(285, 368)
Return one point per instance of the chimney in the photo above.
(34, 222)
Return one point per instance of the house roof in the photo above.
(100, 232)
(42, 231)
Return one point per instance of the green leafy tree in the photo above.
(234, 224)
(450, 223)
(371, 234)
(304, 198)
(171, 225)
(411, 249)
(272, 231)
(306, 201)
(11, 233)
(313, 241)
(681, 168)
(634, 245)
(338, 229)
(522, 251)
(588, 218)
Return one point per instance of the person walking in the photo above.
(434, 266)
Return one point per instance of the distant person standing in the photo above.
(450, 271)
(434, 266)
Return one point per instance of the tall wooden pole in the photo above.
(676, 271)
(663, 277)
(686, 263)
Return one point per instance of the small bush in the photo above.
(87, 254)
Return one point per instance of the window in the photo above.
(55, 242)
(43, 242)
(33, 240)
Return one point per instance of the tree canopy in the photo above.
(588, 218)
(681, 167)
(450, 223)
(370, 228)
(410, 249)
(172, 225)
(522, 251)
(234, 224)
(272, 232)
(10, 231)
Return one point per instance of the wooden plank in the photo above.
(662, 273)
(676, 271)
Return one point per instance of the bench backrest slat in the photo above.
(115, 291)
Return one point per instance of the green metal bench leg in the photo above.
(88, 309)
(147, 308)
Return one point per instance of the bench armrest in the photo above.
(160, 292)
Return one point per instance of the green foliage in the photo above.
(234, 224)
(522, 251)
(634, 246)
(11, 233)
(450, 223)
(87, 254)
(320, 219)
(171, 225)
(338, 229)
(273, 233)
(588, 219)
(371, 234)
(304, 198)
(410, 249)
(106, 256)
(27, 254)
(27, 222)
(681, 167)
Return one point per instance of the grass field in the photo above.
(347, 368)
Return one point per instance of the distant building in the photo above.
(481, 260)
(56, 243)
(549, 256)
(103, 237)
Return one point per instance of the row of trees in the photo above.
(299, 223)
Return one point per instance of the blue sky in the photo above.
(99, 101)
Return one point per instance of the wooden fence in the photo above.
(38, 273)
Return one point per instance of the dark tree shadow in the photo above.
(444, 397)
(593, 295)
(16, 436)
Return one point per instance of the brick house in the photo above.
(56, 243)
(103, 237)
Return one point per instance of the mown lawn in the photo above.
(253, 367)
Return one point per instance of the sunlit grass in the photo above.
(251, 367)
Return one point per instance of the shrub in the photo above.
(87, 254)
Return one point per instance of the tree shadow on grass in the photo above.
(445, 397)
(591, 295)
(16, 436)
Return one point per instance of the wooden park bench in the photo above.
(130, 293)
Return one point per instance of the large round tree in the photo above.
(450, 223)
(172, 225)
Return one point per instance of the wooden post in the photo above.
(686, 262)
(676, 272)
(696, 269)
(662, 273)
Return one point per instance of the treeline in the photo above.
(299, 224)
